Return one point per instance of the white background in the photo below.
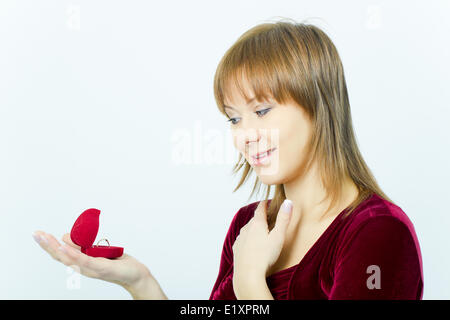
(92, 94)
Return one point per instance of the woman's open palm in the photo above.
(124, 270)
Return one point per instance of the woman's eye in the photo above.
(232, 120)
(259, 113)
(262, 112)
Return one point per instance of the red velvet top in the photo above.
(342, 263)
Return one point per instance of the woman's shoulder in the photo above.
(377, 234)
(377, 210)
(379, 224)
(244, 214)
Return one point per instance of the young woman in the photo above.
(282, 88)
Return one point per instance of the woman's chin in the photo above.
(268, 176)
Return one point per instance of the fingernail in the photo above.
(62, 249)
(36, 238)
(43, 238)
(287, 206)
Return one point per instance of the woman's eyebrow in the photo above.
(248, 103)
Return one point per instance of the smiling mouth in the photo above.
(263, 154)
(258, 158)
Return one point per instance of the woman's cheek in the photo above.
(239, 142)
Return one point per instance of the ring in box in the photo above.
(84, 232)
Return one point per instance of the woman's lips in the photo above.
(264, 158)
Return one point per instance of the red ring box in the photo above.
(84, 232)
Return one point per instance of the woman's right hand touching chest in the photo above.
(125, 271)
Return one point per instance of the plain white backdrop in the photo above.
(109, 104)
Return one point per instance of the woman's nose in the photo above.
(246, 139)
(252, 135)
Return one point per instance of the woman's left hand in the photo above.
(256, 249)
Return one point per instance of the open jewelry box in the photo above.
(84, 232)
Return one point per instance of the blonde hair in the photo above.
(298, 62)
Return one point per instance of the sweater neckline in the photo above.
(312, 249)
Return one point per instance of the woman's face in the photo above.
(260, 126)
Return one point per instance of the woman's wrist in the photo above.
(146, 288)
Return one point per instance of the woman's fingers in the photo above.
(50, 244)
(66, 239)
(70, 256)
(92, 267)
(122, 270)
